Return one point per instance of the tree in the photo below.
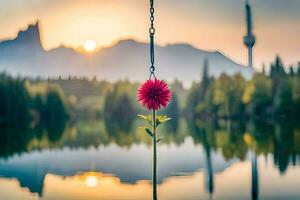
(192, 99)
(207, 108)
(283, 102)
(55, 109)
(198, 92)
(263, 69)
(228, 95)
(277, 72)
(119, 111)
(205, 81)
(291, 71)
(257, 95)
(14, 99)
(178, 88)
(298, 70)
(173, 108)
(295, 85)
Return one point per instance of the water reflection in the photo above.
(217, 157)
(254, 174)
(189, 186)
(16, 137)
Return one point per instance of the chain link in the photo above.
(152, 32)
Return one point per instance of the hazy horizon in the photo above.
(71, 23)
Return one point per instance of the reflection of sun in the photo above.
(89, 45)
(91, 181)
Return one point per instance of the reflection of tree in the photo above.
(259, 137)
(283, 146)
(234, 140)
(15, 139)
(87, 133)
(119, 112)
(55, 129)
(198, 128)
(280, 140)
(210, 172)
(255, 183)
(173, 125)
(120, 131)
(230, 139)
(202, 132)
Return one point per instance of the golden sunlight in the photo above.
(91, 181)
(89, 45)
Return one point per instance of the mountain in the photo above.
(126, 59)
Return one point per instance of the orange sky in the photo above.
(210, 25)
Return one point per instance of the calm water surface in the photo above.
(196, 160)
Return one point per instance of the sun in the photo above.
(91, 181)
(89, 45)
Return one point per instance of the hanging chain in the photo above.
(152, 32)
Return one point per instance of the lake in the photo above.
(95, 159)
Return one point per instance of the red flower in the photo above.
(154, 94)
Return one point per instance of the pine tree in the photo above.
(291, 71)
(277, 73)
(263, 69)
(298, 70)
(205, 80)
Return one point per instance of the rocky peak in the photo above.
(31, 34)
(28, 37)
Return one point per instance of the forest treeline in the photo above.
(272, 95)
(37, 111)
(269, 95)
(24, 102)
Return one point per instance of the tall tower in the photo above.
(249, 39)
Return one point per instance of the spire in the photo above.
(249, 39)
(248, 18)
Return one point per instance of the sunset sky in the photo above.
(208, 25)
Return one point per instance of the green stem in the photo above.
(154, 156)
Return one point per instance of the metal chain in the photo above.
(152, 32)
